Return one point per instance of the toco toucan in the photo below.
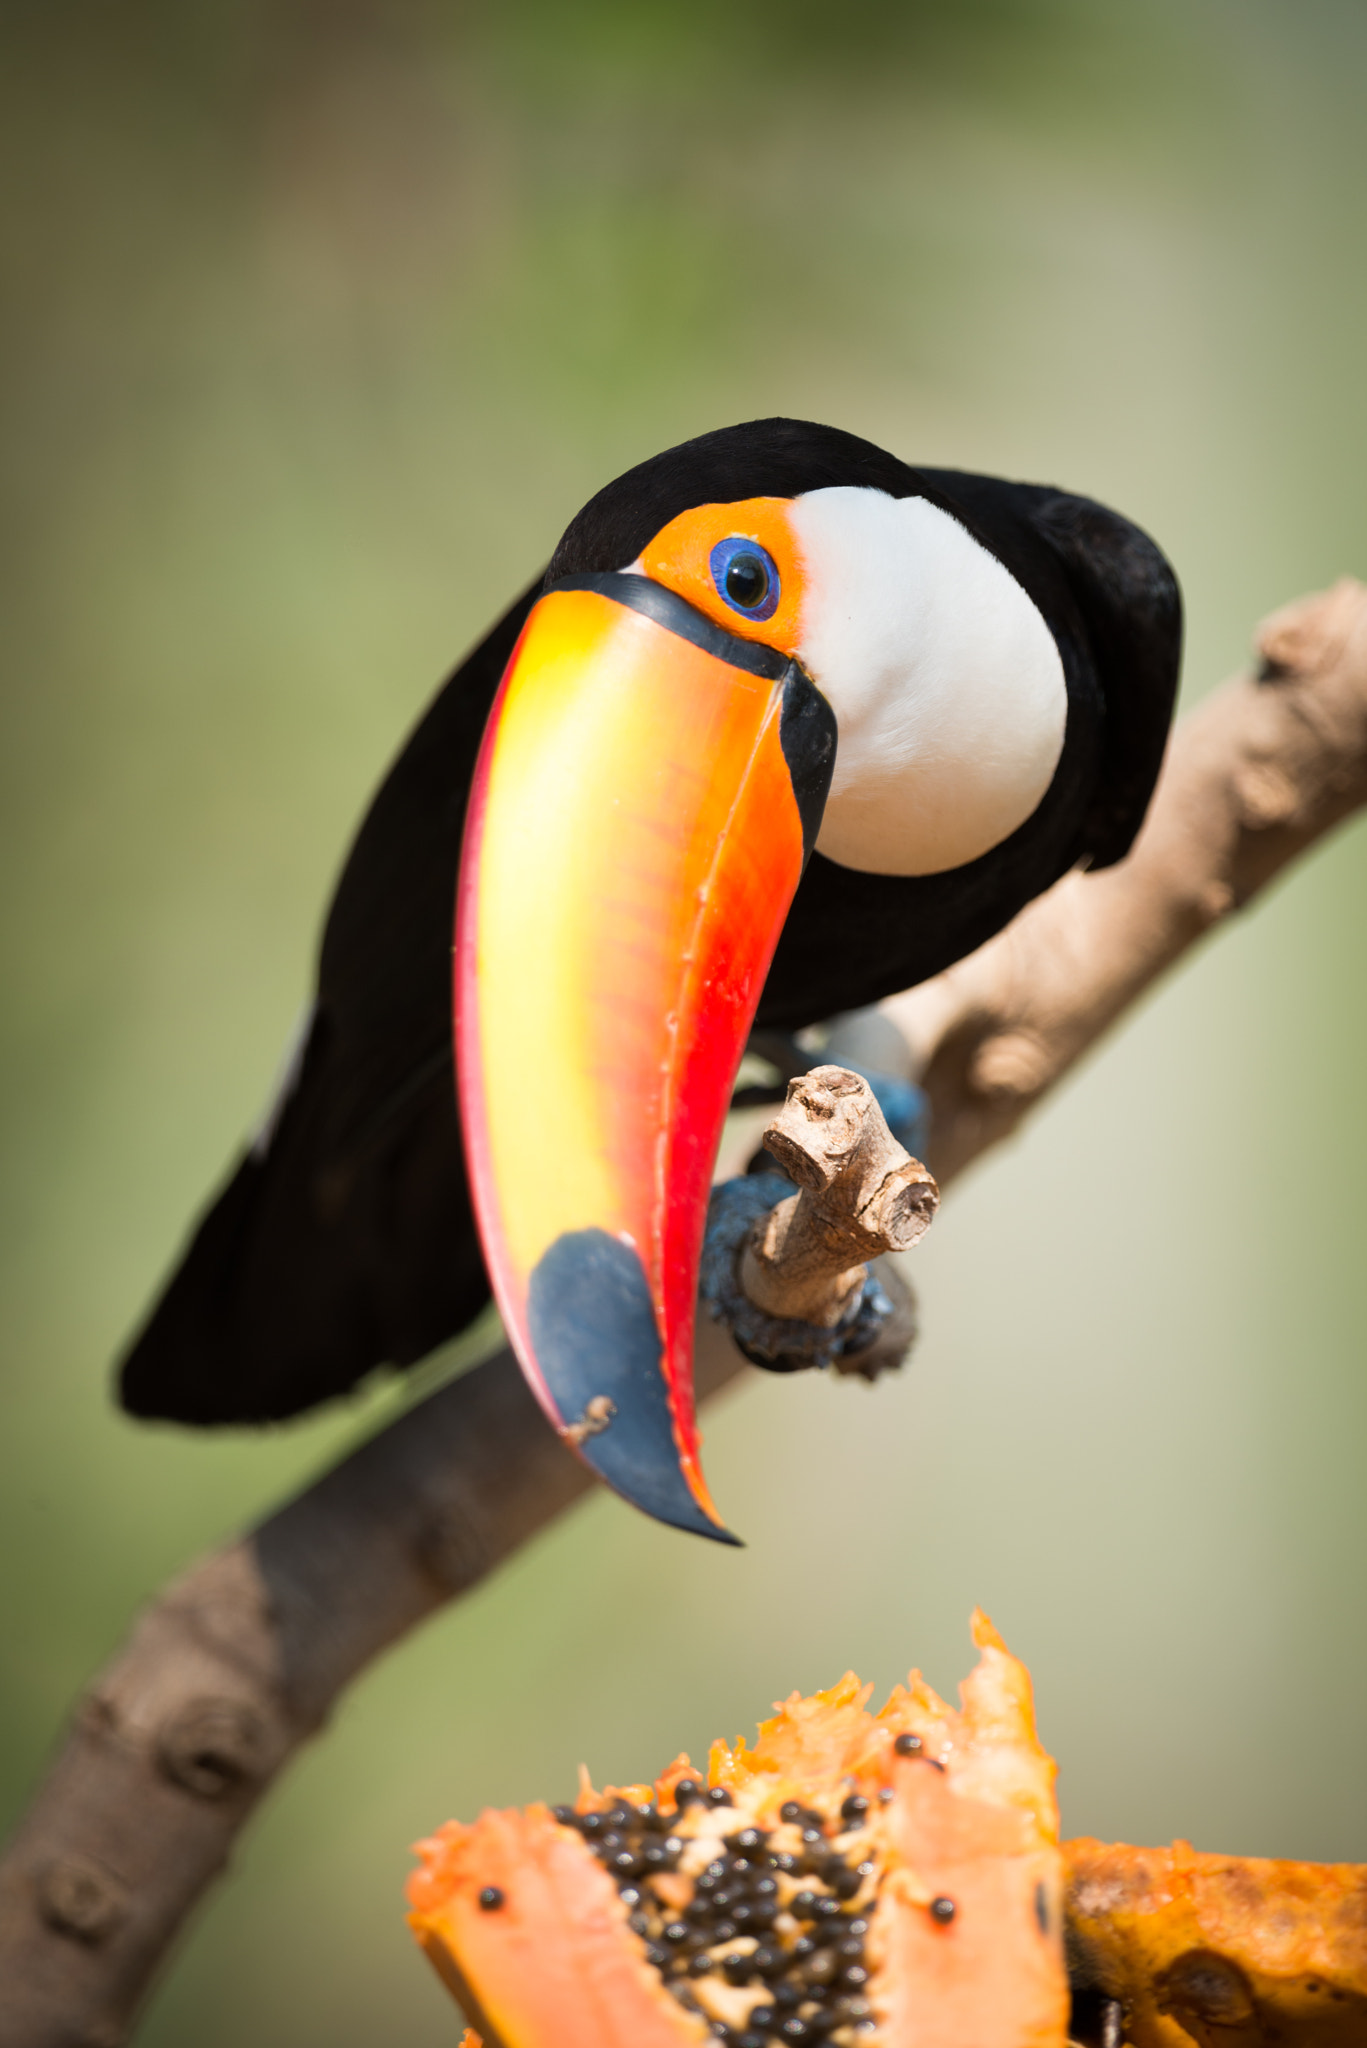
(785, 726)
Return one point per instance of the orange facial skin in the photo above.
(632, 848)
(680, 558)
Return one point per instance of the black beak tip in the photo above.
(592, 1326)
(657, 1487)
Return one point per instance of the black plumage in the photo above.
(345, 1238)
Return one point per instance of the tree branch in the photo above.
(239, 1661)
(1257, 774)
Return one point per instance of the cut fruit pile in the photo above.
(877, 1881)
(853, 1878)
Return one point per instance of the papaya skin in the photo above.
(1223, 1951)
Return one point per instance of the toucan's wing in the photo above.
(344, 1239)
(1131, 609)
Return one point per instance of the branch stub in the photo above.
(213, 1746)
(78, 1897)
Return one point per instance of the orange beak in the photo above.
(648, 789)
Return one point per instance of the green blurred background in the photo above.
(322, 318)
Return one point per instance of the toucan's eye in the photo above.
(746, 576)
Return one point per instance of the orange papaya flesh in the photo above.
(1224, 1951)
(867, 1881)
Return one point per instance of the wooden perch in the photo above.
(787, 1276)
(860, 1193)
(239, 1662)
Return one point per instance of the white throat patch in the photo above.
(945, 681)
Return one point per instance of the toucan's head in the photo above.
(762, 643)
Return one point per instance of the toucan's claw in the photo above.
(592, 1324)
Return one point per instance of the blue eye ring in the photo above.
(746, 576)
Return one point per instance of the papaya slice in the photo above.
(1224, 1951)
(868, 1881)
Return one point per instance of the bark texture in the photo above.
(237, 1663)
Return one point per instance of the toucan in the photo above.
(786, 725)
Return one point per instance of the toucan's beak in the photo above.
(648, 789)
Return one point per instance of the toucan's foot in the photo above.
(874, 1335)
(786, 1261)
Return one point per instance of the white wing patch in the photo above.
(946, 683)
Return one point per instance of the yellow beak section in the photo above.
(647, 788)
